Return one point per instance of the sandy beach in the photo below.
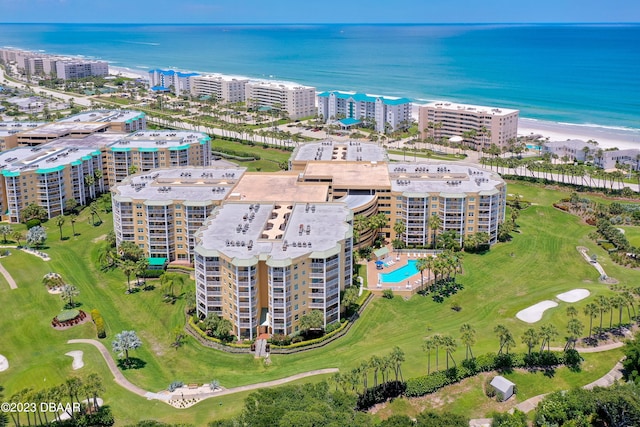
(127, 72)
(607, 137)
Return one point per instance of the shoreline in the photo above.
(606, 136)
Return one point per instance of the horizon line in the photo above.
(334, 23)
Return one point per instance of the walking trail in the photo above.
(123, 382)
(8, 278)
(607, 380)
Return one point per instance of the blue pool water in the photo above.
(401, 274)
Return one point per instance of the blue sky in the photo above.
(313, 11)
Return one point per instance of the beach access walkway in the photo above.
(12, 283)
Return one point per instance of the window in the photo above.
(140, 222)
(178, 214)
(295, 287)
(470, 213)
(178, 222)
(295, 307)
(140, 230)
(296, 318)
(140, 237)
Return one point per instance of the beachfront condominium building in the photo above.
(295, 100)
(161, 210)
(221, 88)
(479, 127)
(383, 114)
(617, 159)
(264, 266)
(77, 69)
(175, 81)
(570, 150)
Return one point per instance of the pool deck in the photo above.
(405, 288)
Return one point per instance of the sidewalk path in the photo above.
(607, 380)
(8, 278)
(123, 382)
(584, 251)
(597, 349)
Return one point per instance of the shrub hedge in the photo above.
(426, 384)
(99, 322)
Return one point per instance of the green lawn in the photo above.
(632, 234)
(539, 263)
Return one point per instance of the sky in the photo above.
(324, 11)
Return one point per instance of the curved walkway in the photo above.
(123, 382)
(8, 278)
(584, 251)
(597, 349)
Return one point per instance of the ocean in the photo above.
(582, 74)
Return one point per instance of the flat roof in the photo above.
(64, 128)
(446, 178)
(101, 116)
(453, 106)
(350, 174)
(342, 151)
(284, 186)
(94, 140)
(11, 128)
(363, 97)
(160, 139)
(42, 159)
(277, 230)
(199, 185)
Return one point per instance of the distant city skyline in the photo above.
(329, 11)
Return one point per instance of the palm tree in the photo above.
(530, 338)
(94, 383)
(397, 357)
(591, 310)
(399, 228)
(125, 341)
(505, 337)
(17, 236)
(574, 330)
(73, 218)
(468, 338)
(59, 223)
(437, 342)
(128, 267)
(422, 264)
(375, 363)
(572, 312)
(434, 223)
(604, 305)
(618, 301)
(450, 346)
(429, 344)
(68, 293)
(547, 333)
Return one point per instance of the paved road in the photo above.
(8, 278)
(77, 98)
(123, 382)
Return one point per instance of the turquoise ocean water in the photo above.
(584, 74)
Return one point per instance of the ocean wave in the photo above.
(143, 43)
(625, 129)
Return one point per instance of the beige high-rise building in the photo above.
(296, 100)
(478, 126)
(223, 88)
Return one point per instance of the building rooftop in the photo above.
(152, 140)
(283, 186)
(60, 129)
(278, 84)
(339, 151)
(279, 231)
(196, 185)
(452, 106)
(11, 128)
(102, 116)
(353, 175)
(576, 144)
(447, 178)
(95, 140)
(363, 97)
(223, 78)
(41, 159)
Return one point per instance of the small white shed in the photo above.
(503, 386)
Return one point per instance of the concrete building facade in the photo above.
(179, 83)
(77, 69)
(296, 100)
(478, 126)
(385, 114)
(222, 88)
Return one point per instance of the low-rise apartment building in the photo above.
(177, 82)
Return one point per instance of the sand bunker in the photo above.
(4, 363)
(534, 313)
(574, 295)
(77, 359)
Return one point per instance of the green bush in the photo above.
(34, 222)
(387, 293)
(489, 390)
(152, 274)
(99, 322)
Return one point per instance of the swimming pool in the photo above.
(401, 274)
